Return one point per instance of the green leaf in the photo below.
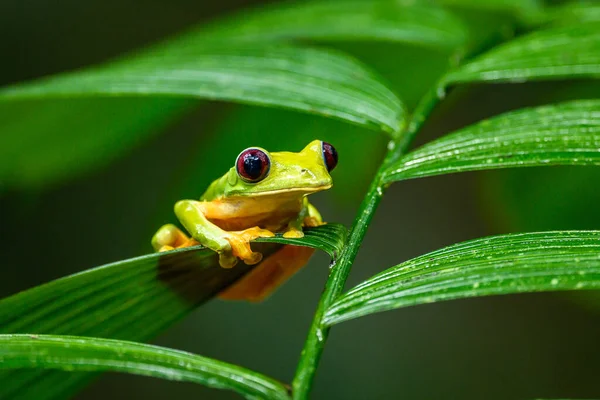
(381, 33)
(562, 134)
(301, 78)
(72, 353)
(514, 6)
(375, 20)
(38, 118)
(570, 13)
(506, 264)
(330, 238)
(565, 52)
(133, 299)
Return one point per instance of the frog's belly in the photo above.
(235, 215)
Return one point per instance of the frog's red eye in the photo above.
(330, 156)
(253, 165)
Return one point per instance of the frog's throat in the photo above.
(298, 191)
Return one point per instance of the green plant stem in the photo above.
(340, 270)
(317, 335)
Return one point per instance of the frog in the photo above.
(263, 194)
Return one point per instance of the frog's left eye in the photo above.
(330, 156)
(253, 165)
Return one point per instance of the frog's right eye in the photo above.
(252, 165)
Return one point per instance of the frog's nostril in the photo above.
(304, 170)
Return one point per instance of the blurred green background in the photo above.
(511, 347)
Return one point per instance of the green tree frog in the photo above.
(263, 193)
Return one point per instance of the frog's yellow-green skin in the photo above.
(232, 212)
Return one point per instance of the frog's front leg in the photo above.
(314, 216)
(308, 216)
(229, 245)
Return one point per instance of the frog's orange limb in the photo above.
(240, 243)
(293, 233)
(259, 283)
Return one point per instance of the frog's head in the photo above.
(260, 173)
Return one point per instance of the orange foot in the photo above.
(240, 246)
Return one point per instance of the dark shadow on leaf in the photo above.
(196, 275)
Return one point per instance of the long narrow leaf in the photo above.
(73, 353)
(506, 264)
(374, 20)
(307, 79)
(566, 52)
(525, 7)
(133, 299)
(27, 161)
(570, 13)
(563, 134)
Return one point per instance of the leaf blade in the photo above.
(520, 7)
(505, 264)
(132, 300)
(342, 21)
(73, 353)
(380, 21)
(165, 81)
(301, 78)
(562, 134)
(565, 52)
(569, 13)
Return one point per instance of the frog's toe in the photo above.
(165, 248)
(254, 233)
(254, 258)
(249, 257)
(227, 260)
(240, 247)
(293, 233)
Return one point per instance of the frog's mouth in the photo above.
(296, 191)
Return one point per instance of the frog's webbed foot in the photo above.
(240, 247)
(170, 237)
(294, 229)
